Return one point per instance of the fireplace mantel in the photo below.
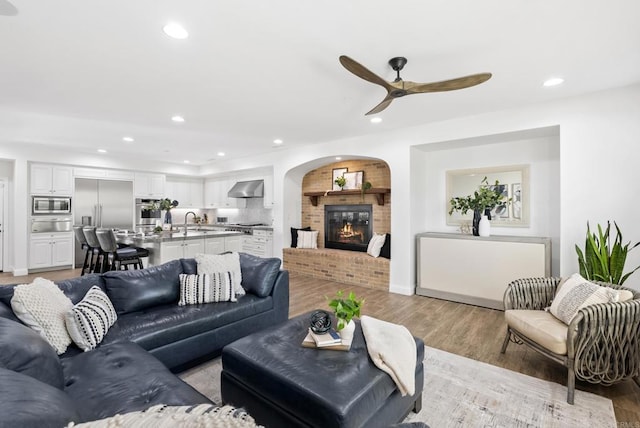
(379, 192)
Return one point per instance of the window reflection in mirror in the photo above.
(514, 182)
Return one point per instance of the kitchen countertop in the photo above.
(167, 236)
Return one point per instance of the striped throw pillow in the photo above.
(90, 319)
(206, 288)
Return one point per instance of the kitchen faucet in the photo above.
(185, 220)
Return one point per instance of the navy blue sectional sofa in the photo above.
(132, 368)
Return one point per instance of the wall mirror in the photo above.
(514, 181)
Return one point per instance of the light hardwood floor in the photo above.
(461, 329)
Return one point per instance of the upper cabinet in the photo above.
(189, 192)
(215, 194)
(51, 180)
(149, 185)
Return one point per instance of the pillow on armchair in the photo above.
(575, 293)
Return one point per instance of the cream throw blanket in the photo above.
(393, 350)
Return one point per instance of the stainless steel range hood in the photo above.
(247, 189)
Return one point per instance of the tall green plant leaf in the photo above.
(601, 260)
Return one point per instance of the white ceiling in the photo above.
(83, 74)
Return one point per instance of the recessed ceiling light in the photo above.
(376, 119)
(128, 139)
(220, 153)
(175, 30)
(102, 151)
(554, 81)
(186, 161)
(178, 119)
(277, 141)
(338, 158)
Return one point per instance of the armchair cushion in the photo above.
(541, 327)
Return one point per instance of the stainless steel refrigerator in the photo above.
(102, 203)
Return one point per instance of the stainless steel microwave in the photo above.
(50, 205)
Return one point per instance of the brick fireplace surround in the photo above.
(347, 267)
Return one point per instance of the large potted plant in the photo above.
(345, 308)
(602, 261)
(481, 202)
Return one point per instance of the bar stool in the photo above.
(97, 256)
(117, 258)
(88, 253)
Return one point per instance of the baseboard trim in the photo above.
(402, 289)
(461, 298)
(20, 272)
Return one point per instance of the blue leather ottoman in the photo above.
(282, 384)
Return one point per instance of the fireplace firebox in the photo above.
(347, 227)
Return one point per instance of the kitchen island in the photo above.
(166, 246)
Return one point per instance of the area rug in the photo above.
(460, 392)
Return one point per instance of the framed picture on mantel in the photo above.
(354, 179)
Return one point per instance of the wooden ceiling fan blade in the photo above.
(383, 105)
(448, 85)
(362, 72)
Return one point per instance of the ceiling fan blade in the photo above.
(362, 72)
(447, 85)
(383, 105)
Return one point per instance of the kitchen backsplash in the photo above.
(254, 212)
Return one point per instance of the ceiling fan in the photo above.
(399, 88)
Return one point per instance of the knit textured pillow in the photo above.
(90, 319)
(227, 262)
(41, 305)
(575, 293)
(163, 416)
(206, 288)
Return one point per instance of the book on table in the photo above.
(331, 337)
(309, 342)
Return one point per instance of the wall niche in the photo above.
(321, 180)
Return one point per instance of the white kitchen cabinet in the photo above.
(220, 244)
(215, 194)
(110, 174)
(187, 191)
(268, 191)
(149, 185)
(214, 245)
(259, 244)
(476, 270)
(183, 248)
(233, 243)
(51, 180)
(50, 250)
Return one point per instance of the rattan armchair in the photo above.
(602, 341)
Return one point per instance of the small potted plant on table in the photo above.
(345, 308)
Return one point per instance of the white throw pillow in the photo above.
(41, 305)
(375, 244)
(216, 263)
(206, 288)
(307, 239)
(90, 319)
(575, 293)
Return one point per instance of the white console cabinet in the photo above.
(476, 270)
